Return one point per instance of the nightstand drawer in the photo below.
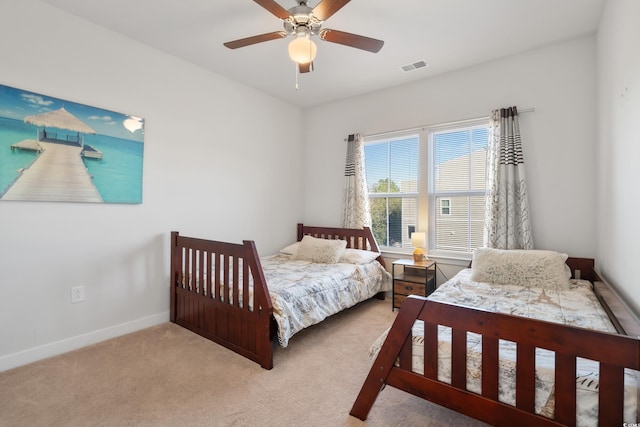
(398, 299)
(409, 288)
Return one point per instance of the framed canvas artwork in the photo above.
(60, 151)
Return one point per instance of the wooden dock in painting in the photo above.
(27, 144)
(58, 174)
(90, 152)
(87, 151)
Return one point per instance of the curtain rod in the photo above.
(524, 110)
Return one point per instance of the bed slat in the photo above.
(490, 372)
(431, 350)
(526, 377)
(611, 390)
(219, 274)
(565, 389)
(245, 285)
(225, 279)
(459, 358)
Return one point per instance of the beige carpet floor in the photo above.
(168, 376)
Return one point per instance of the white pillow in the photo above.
(291, 249)
(531, 268)
(358, 256)
(322, 251)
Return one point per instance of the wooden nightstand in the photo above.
(412, 278)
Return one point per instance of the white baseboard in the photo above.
(31, 355)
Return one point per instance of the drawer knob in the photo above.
(409, 288)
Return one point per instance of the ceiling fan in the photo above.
(302, 22)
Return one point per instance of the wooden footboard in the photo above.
(211, 296)
(615, 353)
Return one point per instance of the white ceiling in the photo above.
(448, 34)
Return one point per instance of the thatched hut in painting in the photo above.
(60, 126)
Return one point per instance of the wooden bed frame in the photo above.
(214, 311)
(614, 352)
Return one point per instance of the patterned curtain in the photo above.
(357, 213)
(507, 222)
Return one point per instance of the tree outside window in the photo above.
(392, 177)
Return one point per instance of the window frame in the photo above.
(432, 194)
(390, 137)
(426, 205)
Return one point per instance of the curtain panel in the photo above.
(507, 220)
(356, 212)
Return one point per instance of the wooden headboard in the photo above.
(582, 268)
(357, 238)
(622, 317)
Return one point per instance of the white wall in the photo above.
(206, 173)
(559, 137)
(618, 170)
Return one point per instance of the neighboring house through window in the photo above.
(433, 180)
(445, 206)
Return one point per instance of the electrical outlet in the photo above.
(77, 294)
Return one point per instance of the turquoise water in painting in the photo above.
(118, 176)
(12, 131)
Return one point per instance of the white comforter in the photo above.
(304, 293)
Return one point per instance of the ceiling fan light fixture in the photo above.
(302, 22)
(302, 50)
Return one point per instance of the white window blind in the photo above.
(392, 179)
(457, 175)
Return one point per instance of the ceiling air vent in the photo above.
(414, 66)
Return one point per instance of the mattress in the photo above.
(305, 293)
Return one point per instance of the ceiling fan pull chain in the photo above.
(297, 74)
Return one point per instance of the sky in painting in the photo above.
(18, 104)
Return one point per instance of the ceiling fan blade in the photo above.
(353, 40)
(326, 8)
(305, 68)
(255, 39)
(274, 8)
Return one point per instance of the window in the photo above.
(429, 180)
(445, 206)
(458, 187)
(392, 180)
